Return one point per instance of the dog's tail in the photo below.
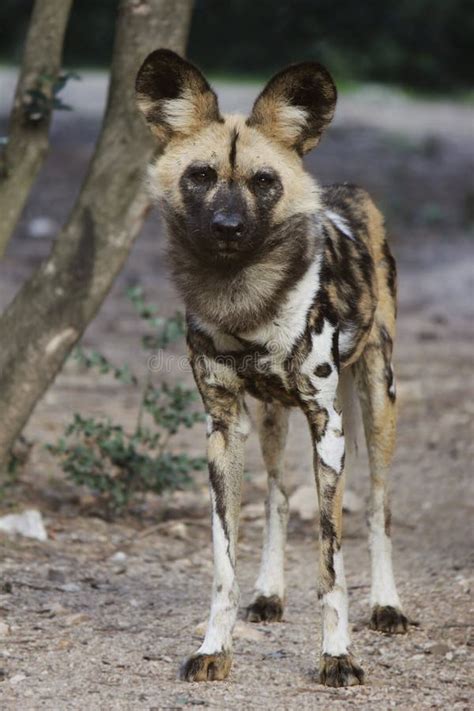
(348, 400)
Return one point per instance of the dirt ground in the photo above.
(100, 615)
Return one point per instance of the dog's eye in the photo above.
(264, 179)
(202, 175)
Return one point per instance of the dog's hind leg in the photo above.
(267, 604)
(376, 384)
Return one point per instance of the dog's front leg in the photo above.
(227, 431)
(318, 389)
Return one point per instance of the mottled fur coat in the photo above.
(290, 293)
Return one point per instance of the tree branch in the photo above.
(52, 309)
(31, 113)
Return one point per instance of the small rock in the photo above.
(70, 588)
(438, 648)
(64, 644)
(4, 629)
(56, 576)
(57, 610)
(17, 678)
(29, 524)
(118, 557)
(76, 619)
(175, 529)
(449, 656)
(242, 630)
(119, 570)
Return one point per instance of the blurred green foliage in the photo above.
(421, 44)
(117, 464)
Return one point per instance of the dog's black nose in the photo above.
(227, 225)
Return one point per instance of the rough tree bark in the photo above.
(27, 144)
(52, 309)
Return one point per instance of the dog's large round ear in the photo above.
(174, 96)
(296, 106)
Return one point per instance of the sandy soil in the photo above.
(100, 615)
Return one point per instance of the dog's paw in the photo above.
(388, 619)
(206, 667)
(265, 609)
(340, 671)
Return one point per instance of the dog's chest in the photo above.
(267, 376)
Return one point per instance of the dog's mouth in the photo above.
(231, 248)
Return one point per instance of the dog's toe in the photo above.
(388, 619)
(340, 671)
(206, 667)
(265, 609)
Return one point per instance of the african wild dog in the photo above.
(289, 290)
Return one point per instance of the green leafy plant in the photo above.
(117, 465)
(45, 95)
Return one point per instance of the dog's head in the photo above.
(228, 182)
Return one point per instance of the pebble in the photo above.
(438, 648)
(70, 588)
(175, 529)
(4, 629)
(29, 523)
(76, 619)
(118, 557)
(17, 678)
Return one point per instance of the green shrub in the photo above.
(117, 465)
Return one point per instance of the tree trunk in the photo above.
(27, 144)
(53, 308)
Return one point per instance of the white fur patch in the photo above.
(180, 113)
(225, 593)
(291, 120)
(331, 446)
(393, 386)
(341, 223)
(346, 340)
(383, 589)
(336, 638)
(280, 335)
(270, 579)
(320, 353)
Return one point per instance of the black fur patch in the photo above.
(389, 620)
(163, 76)
(391, 270)
(340, 671)
(233, 148)
(387, 348)
(218, 486)
(323, 371)
(206, 667)
(265, 609)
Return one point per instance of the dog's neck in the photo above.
(237, 300)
